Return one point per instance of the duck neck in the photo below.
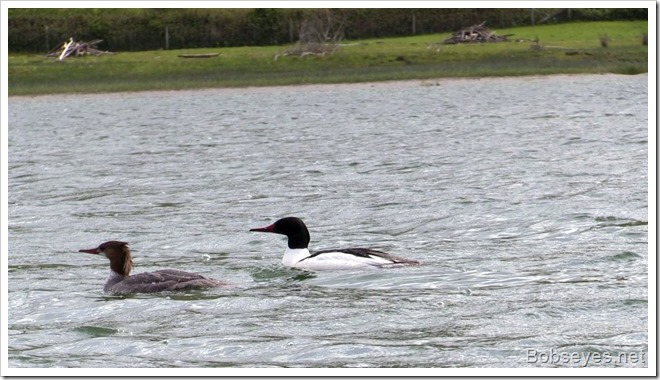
(293, 255)
(113, 280)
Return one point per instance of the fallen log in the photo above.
(207, 55)
(71, 47)
(475, 33)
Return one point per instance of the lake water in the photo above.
(526, 199)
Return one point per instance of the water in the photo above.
(526, 200)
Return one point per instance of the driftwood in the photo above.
(203, 55)
(475, 33)
(71, 47)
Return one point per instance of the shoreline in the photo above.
(384, 60)
(324, 86)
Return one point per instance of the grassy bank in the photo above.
(564, 49)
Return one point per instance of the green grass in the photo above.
(417, 57)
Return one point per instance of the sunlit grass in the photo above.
(564, 48)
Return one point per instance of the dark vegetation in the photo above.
(40, 30)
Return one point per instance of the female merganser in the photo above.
(298, 255)
(121, 282)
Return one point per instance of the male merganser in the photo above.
(297, 255)
(121, 282)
